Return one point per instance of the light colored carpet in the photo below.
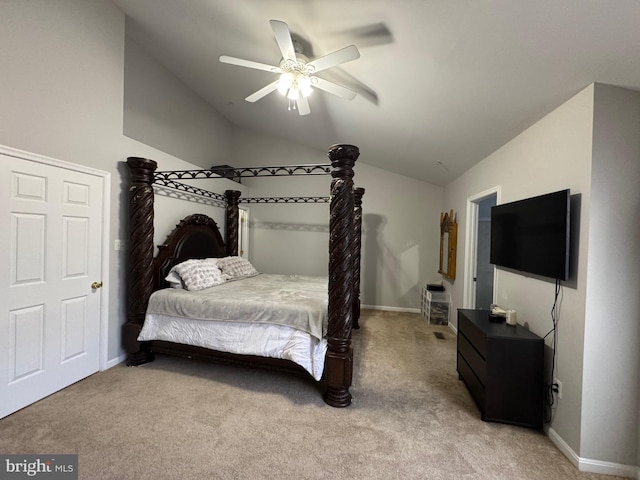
(411, 418)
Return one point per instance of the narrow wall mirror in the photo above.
(448, 244)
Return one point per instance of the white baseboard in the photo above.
(115, 361)
(390, 309)
(609, 468)
(593, 466)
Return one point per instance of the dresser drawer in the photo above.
(472, 382)
(503, 368)
(473, 359)
(475, 335)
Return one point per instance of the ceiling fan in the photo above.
(297, 73)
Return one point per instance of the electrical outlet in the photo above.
(120, 245)
(557, 387)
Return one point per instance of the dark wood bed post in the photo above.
(231, 228)
(140, 256)
(357, 243)
(339, 358)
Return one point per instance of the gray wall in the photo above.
(553, 154)
(61, 95)
(160, 110)
(400, 222)
(590, 145)
(612, 330)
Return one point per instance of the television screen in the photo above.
(532, 235)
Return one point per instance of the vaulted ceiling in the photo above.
(441, 83)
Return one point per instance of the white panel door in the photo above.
(50, 254)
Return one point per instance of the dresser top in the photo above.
(480, 318)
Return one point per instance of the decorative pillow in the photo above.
(199, 274)
(173, 279)
(234, 268)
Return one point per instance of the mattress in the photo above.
(277, 316)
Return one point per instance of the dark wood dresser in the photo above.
(503, 368)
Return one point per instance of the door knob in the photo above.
(96, 285)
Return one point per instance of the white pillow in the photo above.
(173, 279)
(198, 274)
(234, 268)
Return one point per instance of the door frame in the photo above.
(106, 224)
(471, 245)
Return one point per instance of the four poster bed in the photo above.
(308, 320)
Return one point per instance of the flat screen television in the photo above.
(532, 235)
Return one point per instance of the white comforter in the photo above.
(278, 316)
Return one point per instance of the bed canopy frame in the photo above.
(345, 223)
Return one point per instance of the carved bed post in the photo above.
(357, 242)
(231, 228)
(140, 255)
(339, 358)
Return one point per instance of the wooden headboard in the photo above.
(196, 236)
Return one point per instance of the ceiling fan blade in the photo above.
(343, 55)
(333, 88)
(249, 64)
(370, 35)
(303, 106)
(283, 37)
(254, 97)
(339, 76)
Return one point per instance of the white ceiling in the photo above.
(442, 83)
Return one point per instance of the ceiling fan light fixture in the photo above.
(304, 84)
(294, 85)
(285, 83)
(294, 94)
(297, 74)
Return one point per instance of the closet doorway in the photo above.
(54, 255)
(479, 272)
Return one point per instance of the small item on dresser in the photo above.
(512, 318)
(497, 314)
(435, 287)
